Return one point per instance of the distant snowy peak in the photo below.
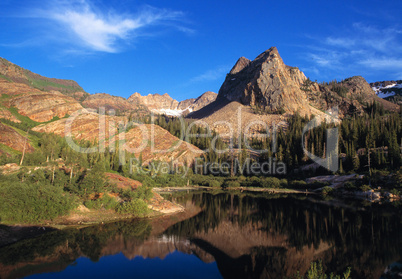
(386, 91)
(390, 90)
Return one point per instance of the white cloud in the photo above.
(211, 75)
(362, 49)
(384, 63)
(328, 59)
(104, 30)
(342, 42)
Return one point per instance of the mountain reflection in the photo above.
(247, 236)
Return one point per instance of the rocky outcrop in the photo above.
(164, 104)
(202, 101)
(42, 107)
(358, 89)
(242, 63)
(11, 138)
(38, 105)
(6, 114)
(154, 101)
(351, 96)
(267, 82)
(151, 141)
(108, 102)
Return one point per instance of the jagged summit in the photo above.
(267, 82)
(242, 63)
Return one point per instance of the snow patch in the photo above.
(385, 94)
(380, 93)
(169, 112)
(172, 112)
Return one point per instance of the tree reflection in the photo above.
(367, 238)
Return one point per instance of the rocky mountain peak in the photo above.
(242, 63)
(266, 82)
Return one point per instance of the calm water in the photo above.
(222, 236)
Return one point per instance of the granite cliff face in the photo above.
(266, 82)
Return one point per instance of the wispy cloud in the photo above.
(361, 49)
(382, 63)
(91, 28)
(211, 75)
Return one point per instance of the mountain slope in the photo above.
(17, 74)
(152, 141)
(38, 105)
(119, 104)
(11, 138)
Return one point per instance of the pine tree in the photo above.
(356, 162)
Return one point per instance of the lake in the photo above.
(222, 235)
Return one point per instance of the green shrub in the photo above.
(365, 188)
(142, 192)
(395, 192)
(197, 179)
(254, 180)
(298, 184)
(349, 186)
(136, 207)
(21, 202)
(284, 183)
(231, 184)
(93, 204)
(106, 202)
(327, 190)
(214, 184)
(316, 271)
(270, 182)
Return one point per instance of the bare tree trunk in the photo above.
(25, 144)
(71, 174)
(53, 175)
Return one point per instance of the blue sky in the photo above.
(185, 48)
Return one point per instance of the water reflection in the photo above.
(230, 235)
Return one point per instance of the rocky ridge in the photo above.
(13, 73)
(164, 104)
(38, 105)
(149, 140)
